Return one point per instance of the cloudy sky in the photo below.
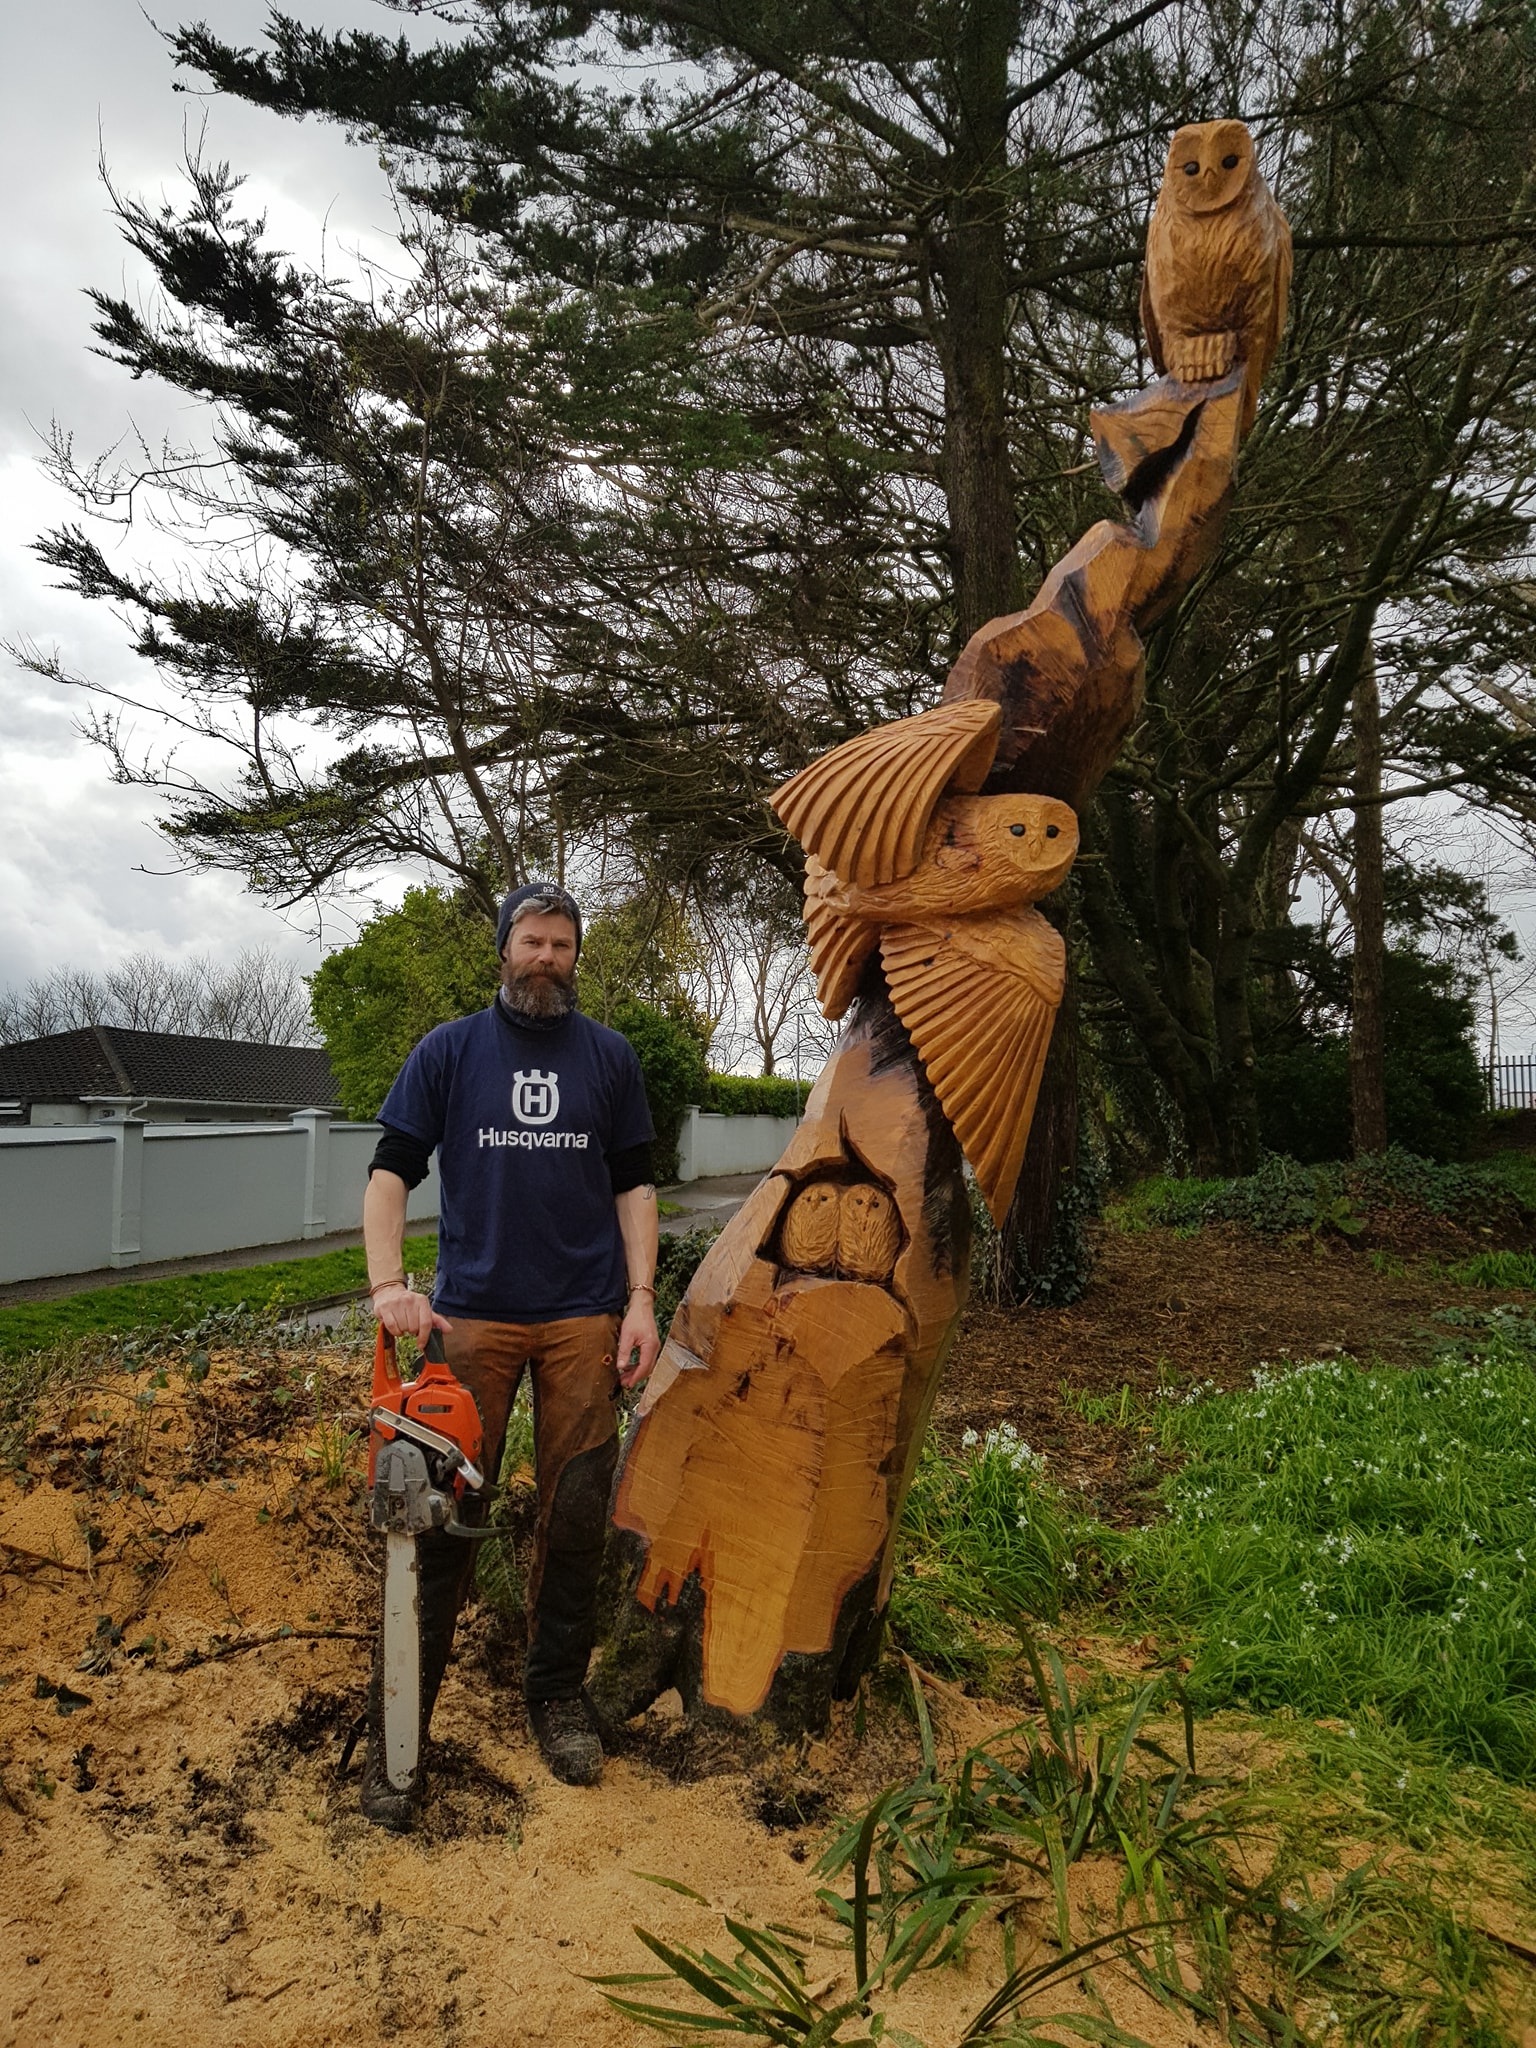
(84, 878)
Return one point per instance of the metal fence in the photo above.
(1511, 1083)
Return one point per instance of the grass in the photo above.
(1495, 1269)
(1344, 1540)
(984, 1541)
(1244, 1901)
(179, 1303)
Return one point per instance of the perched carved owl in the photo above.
(810, 1228)
(868, 1234)
(1218, 262)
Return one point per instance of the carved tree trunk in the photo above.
(758, 1503)
(756, 1510)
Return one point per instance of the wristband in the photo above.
(399, 1280)
(640, 1287)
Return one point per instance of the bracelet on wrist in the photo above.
(639, 1287)
(399, 1280)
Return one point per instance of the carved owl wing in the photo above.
(979, 998)
(1149, 326)
(839, 944)
(1280, 297)
(863, 810)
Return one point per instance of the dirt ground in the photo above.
(186, 1593)
(1165, 1310)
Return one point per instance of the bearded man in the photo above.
(546, 1260)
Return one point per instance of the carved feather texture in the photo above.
(809, 1236)
(868, 1233)
(839, 944)
(979, 997)
(864, 808)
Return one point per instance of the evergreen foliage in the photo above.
(408, 970)
(755, 1095)
(1435, 1091)
(670, 1048)
(714, 414)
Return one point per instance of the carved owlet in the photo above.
(810, 1228)
(869, 1232)
(1218, 262)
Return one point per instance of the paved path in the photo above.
(704, 1202)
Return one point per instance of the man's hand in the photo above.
(638, 1341)
(405, 1314)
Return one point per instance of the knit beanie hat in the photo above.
(543, 897)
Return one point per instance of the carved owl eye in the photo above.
(1052, 831)
(1017, 831)
(1192, 170)
(1229, 163)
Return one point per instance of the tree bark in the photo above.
(1367, 1032)
(971, 260)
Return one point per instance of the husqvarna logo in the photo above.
(535, 1097)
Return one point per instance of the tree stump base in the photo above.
(756, 1508)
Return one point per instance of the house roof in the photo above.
(166, 1066)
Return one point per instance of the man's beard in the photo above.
(540, 992)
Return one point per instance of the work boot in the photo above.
(444, 1565)
(567, 1739)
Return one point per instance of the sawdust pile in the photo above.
(186, 1592)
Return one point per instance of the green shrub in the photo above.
(408, 970)
(677, 1260)
(1344, 1540)
(755, 1095)
(1286, 1196)
(670, 1050)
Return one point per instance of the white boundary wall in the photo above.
(77, 1200)
(709, 1144)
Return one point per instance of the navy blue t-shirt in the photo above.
(523, 1120)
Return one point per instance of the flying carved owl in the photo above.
(1218, 262)
(903, 855)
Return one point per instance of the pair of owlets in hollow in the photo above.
(850, 1230)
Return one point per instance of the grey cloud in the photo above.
(85, 77)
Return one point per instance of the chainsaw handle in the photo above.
(386, 1366)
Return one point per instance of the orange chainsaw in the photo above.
(423, 1460)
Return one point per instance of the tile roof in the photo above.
(166, 1066)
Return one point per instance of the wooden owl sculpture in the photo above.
(1218, 262)
(903, 856)
(809, 1236)
(868, 1232)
